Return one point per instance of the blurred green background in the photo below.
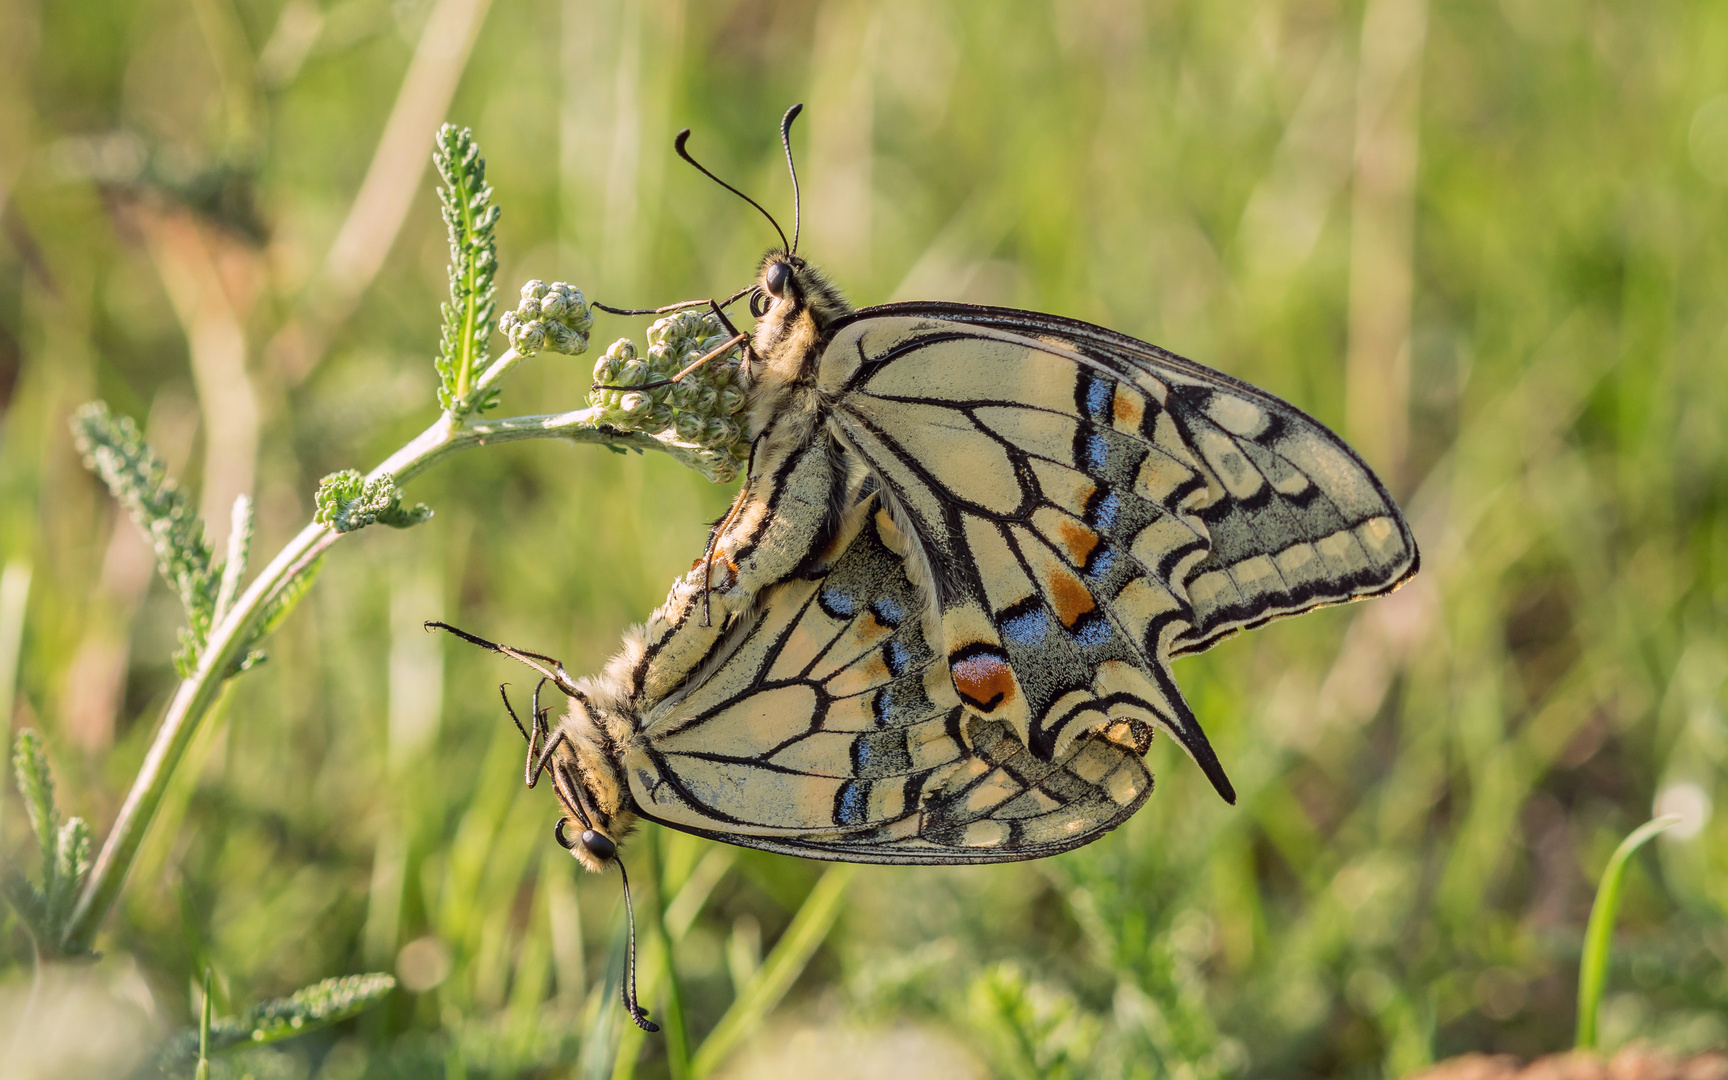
(1483, 239)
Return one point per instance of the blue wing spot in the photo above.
(1027, 627)
(837, 604)
(1092, 630)
(882, 705)
(1103, 514)
(1103, 558)
(1095, 397)
(888, 611)
(851, 802)
(897, 656)
(1094, 452)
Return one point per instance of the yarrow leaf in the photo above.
(114, 449)
(36, 784)
(306, 1010)
(468, 212)
(348, 501)
(65, 850)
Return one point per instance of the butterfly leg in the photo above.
(545, 760)
(737, 334)
(529, 773)
(714, 546)
(718, 350)
(738, 337)
(538, 758)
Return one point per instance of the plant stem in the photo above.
(237, 629)
(1599, 931)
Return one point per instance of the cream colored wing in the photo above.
(1087, 506)
(832, 730)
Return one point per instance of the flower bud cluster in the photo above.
(550, 318)
(704, 408)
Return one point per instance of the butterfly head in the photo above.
(590, 785)
(795, 307)
(794, 303)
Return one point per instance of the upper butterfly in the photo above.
(937, 624)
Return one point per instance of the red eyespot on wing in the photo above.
(982, 676)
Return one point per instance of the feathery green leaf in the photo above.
(36, 784)
(468, 212)
(114, 449)
(347, 501)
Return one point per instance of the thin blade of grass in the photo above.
(777, 974)
(1599, 931)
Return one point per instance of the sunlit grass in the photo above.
(1430, 785)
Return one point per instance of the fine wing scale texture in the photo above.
(1096, 506)
(967, 664)
(833, 730)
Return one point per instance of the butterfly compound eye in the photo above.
(598, 846)
(776, 278)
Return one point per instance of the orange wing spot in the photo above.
(1077, 539)
(984, 679)
(1128, 410)
(1070, 598)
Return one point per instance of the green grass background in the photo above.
(1429, 784)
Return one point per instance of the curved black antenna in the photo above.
(538, 661)
(680, 306)
(678, 145)
(786, 141)
(627, 985)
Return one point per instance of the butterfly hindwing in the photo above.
(1097, 506)
(833, 730)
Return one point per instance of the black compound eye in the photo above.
(776, 278)
(598, 846)
(558, 834)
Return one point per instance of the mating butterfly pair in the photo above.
(937, 624)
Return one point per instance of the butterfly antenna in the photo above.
(538, 661)
(627, 987)
(678, 145)
(791, 167)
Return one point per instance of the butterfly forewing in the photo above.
(1098, 506)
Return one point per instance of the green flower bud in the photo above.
(689, 427)
(717, 432)
(634, 405)
(566, 340)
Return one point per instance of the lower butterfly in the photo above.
(937, 624)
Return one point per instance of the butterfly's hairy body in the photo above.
(939, 617)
